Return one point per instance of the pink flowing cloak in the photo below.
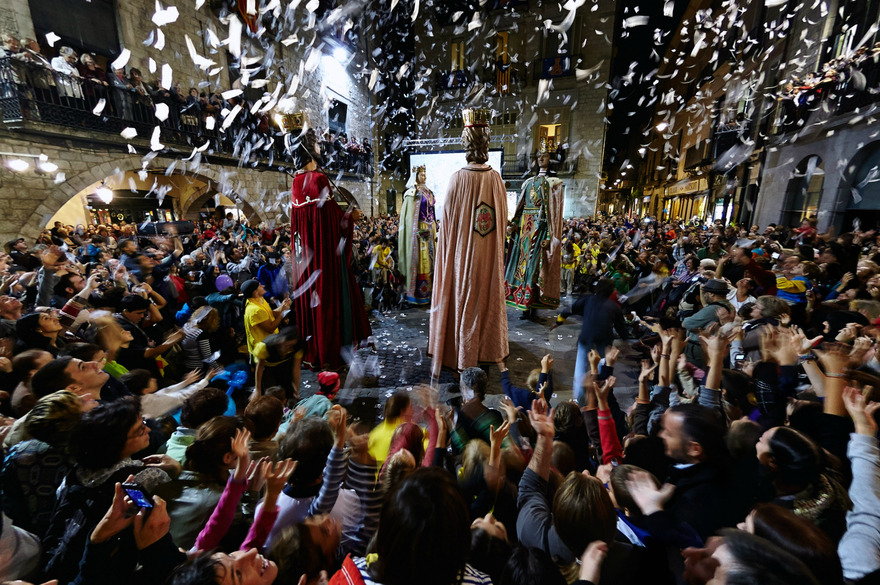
(468, 314)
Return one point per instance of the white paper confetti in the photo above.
(234, 39)
(52, 38)
(166, 76)
(162, 112)
(128, 133)
(154, 139)
(200, 62)
(210, 122)
(634, 21)
(160, 40)
(199, 3)
(162, 17)
(99, 107)
(121, 61)
(230, 117)
(228, 95)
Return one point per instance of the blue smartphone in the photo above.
(138, 495)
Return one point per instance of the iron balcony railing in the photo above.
(32, 92)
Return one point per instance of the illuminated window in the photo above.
(549, 133)
(502, 63)
(457, 55)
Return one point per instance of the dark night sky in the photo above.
(637, 57)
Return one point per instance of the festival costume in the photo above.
(326, 299)
(418, 230)
(468, 318)
(533, 273)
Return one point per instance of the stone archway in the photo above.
(858, 194)
(246, 187)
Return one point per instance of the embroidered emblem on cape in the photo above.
(484, 219)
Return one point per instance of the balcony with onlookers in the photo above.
(844, 85)
(35, 95)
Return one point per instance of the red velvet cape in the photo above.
(329, 307)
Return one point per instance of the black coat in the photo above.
(705, 498)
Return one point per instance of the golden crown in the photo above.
(476, 117)
(290, 122)
(543, 148)
(418, 169)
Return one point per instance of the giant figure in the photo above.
(418, 229)
(468, 316)
(327, 302)
(533, 273)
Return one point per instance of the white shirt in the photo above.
(731, 298)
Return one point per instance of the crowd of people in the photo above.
(156, 428)
(74, 89)
(842, 84)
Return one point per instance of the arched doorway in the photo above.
(152, 195)
(860, 190)
(804, 192)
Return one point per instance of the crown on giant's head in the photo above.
(476, 117)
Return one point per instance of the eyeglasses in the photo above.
(142, 430)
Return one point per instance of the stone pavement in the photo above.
(400, 361)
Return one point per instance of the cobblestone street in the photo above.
(400, 361)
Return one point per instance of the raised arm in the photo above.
(859, 549)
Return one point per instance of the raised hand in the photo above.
(239, 448)
(644, 491)
(834, 357)
(496, 436)
(861, 411)
(542, 420)
(611, 355)
(647, 370)
(861, 347)
(603, 390)
(803, 344)
(546, 363)
(191, 377)
(594, 359)
(277, 478)
(785, 348)
(510, 411)
(338, 421)
(848, 333)
(716, 344)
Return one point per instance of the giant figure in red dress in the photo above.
(327, 301)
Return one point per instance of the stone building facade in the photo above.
(311, 72)
(543, 69)
(769, 120)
